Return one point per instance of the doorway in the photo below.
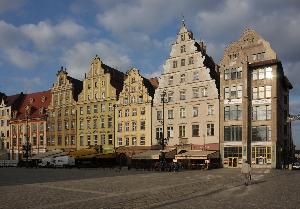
(233, 161)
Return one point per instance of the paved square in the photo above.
(98, 188)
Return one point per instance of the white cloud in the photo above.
(77, 59)
(21, 58)
(44, 35)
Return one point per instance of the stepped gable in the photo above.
(36, 103)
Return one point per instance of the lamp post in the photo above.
(162, 140)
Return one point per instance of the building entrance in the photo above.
(233, 161)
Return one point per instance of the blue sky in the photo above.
(39, 36)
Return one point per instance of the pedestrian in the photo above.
(246, 172)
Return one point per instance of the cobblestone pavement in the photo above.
(96, 188)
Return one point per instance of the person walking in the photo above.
(246, 172)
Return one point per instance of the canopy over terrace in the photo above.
(198, 155)
(154, 154)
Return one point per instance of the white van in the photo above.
(64, 161)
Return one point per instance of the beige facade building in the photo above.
(133, 111)
(8, 104)
(96, 106)
(61, 123)
(254, 104)
(188, 84)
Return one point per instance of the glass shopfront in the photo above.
(261, 155)
(232, 156)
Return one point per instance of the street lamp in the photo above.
(162, 140)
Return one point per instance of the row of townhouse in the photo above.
(238, 108)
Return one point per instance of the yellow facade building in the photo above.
(61, 122)
(96, 106)
(133, 111)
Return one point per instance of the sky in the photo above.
(37, 37)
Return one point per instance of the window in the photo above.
(259, 153)
(142, 140)
(233, 152)
(159, 133)
(226, 113)
(81, 125)
(195, 92)
(233, 112)
(109, 122)
(120, 141)
(182, 62)
(132, 80)
(204, 92)
(196, 75)
(119, 127)
(159, 115)
(126, 126)
(254, 57)
(132, 99)
(226, 74)
(66, 125)
(103, 95)
(126, 100)
(182, 78)
(210, 129)
(133, 125)
(232, 133)
(102, 107)
(233, 74)
(239, 73)
(140, 99)
(181, 131)
(143, 125)
(102, 83)
(170, 80)
(88, 124)
(191, 60)
(254, 93)
(233, 91)
(127, 141)
(170, 114)
(182, 94)
(59, 141)
(182, 48)
(66, 112)
(170, 132)
(268, 91)
(261, 73)
(254, 75)
(110, 139)
(174, 64)
(182, 37)
(95, 108)
(133, 140)
(110, 107)
(102, 124)
(262, 112)
(95, 139)
(170, 96)
(102, 138)
(239, 91)
(182, 113)
(120, 113)
(143, 111)
(261, 92)
(134, 112)
(195, 111)
(195, 130)
(226, 92)
(261, 133)
(95, 123)
(81, 110)
(126, 112)
(268, 72)
(210, 110)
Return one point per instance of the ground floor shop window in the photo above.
(261, 155)
(232, 155)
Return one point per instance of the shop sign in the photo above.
(261, 101)
(232, 101)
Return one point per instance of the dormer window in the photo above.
(43, 98)
(31, 100)
(41, 110)
(182, 49)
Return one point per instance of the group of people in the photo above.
(246, 172)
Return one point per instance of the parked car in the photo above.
(46, 162)
(64, 162)
(296, 166)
